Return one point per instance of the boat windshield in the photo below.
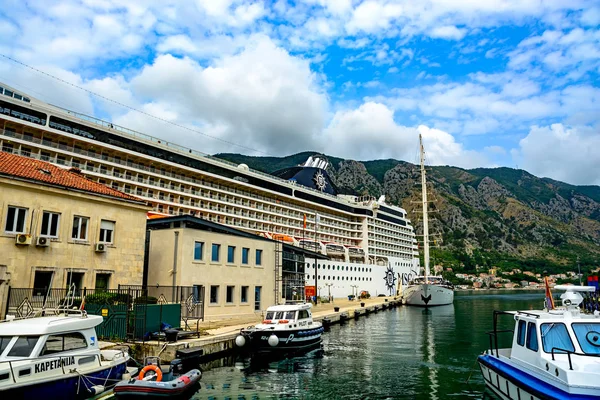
(4, 341)
(555, 336)
(588, 336)
(23, 346)
(276, 315)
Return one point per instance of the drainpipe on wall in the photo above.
(146, 259)
(175, 250)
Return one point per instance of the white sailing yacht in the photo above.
(427, 290)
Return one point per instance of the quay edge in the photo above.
(223, 345)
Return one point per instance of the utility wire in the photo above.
(130, 107)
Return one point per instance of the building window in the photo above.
(42, 280)
(244, 294)
(257, 293)
(259, 257)
(198, 251)
(80, 227)
(102, 281)
(107, 231)
(245, 252)
(75, 278)
(15, 220)
(214, 294)
(230, 293)
(230, 254)
(216, 249)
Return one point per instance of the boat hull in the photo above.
(182, 387)
(68, 386)
(289, 341)
(425, 295)
(510, 383)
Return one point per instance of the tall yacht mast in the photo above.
(425, 217)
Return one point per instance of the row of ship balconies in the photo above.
(340, 220)
(326, 225)
(256, 220)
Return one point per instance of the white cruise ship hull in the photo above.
(426, 295)
(341, 279)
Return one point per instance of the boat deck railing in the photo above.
(47, 312)
(558, 350)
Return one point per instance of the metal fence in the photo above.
(191, 299)
(125, 310)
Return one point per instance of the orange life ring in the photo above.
(154, 368)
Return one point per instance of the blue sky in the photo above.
(487, 83)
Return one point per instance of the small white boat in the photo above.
(427, 290)
(555, 353)
(56, 357)
(286, 329)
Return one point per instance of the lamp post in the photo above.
(354, 287)
(329, 285)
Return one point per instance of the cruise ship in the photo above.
(363, 243)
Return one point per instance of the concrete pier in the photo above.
(220, 342)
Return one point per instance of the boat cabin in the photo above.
(38, 337)
(557, 341)
(34, 348)
(292, 315)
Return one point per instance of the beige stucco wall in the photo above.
(206, 273)
(124, 259)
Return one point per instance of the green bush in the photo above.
(107, 298)
(146, 300)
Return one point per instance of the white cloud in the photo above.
(370, 132)
(561, 153)
(371, 16)
(262, 98)
(449, 32)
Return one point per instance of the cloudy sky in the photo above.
(487, 83)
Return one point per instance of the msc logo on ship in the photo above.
(390, 280)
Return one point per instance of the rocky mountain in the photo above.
(484, 216)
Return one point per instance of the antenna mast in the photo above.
(425, 220)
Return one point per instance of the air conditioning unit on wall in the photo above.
(42, 241)
(23, 239)
(100, 247)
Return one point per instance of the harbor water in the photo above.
(400, 353)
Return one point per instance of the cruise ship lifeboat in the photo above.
(284, 238)
(335, 249)
(356, 252)
(310, 245)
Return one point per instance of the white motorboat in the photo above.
(555, 353)
(286, 329)
(427, 290)
(56, 357)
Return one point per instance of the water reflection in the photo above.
(403, 353)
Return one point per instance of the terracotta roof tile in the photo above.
(41, 171)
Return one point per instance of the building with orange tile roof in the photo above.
(58, 228)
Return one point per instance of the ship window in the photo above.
(555, 336)
(588, 336)
(303, 314)
(338, 267)
(23, 346)
(65, 342)
(521, 333)
(532, 342)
